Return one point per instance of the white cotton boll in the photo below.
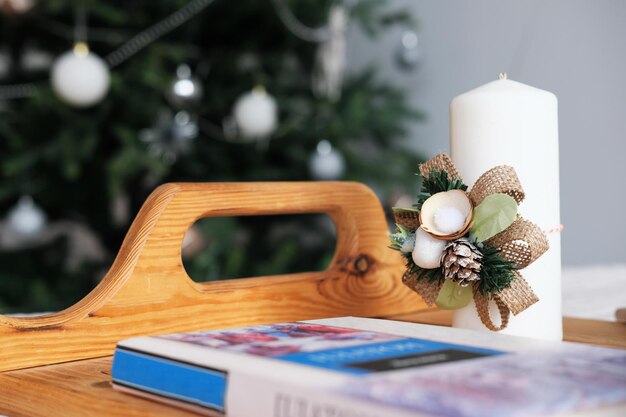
(449, 219)
(428, 250)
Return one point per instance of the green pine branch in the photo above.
(496, 273)
(436, 182)
(432, 275)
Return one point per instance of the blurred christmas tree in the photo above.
(211, 91)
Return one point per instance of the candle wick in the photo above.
(503, 76)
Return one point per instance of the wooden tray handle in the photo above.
(147, 289)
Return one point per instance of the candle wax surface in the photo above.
(506, 122)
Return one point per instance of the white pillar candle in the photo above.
(508, 123)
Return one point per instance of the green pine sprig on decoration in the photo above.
(432, 275)
(436, 182)
(496, 272)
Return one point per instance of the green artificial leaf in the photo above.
(402, 231)
(452, 296)
(492, 216)
(398, 238)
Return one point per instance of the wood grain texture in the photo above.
(147, 290)
(83, 388)
(595, 332)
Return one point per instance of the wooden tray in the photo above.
(147, 290)
(83, 388)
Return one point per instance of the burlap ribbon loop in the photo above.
(407, 218)
(427, 290)
(518, 296)
(482, 307)
(441, 162)
(501, 179)
(521, 243)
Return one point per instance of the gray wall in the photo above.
(576, 49)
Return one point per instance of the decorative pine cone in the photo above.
(461, 262)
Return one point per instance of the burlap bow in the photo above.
(521, 243)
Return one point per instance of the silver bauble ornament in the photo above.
(26, 219)
(185, 90)
(80, 77)
(171, 135)
(326, 163)
(408, 54)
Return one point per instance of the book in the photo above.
(356, 367)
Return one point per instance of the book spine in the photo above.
(168, 379)
(251, 395)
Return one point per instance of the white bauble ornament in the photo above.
(26, 219)
(427, 251)
(256, 114)
(80, 77)
(326, 163)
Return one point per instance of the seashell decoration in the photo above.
(447, 215)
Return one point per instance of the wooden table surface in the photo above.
(83, 388)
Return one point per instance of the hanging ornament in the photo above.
(330, 59)
(170, 136)
(10, 7)
(326, 163)
(185, 90)
(26, 219)
(255, 114)
(26, 228)
(80, 77)
(408, 54)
